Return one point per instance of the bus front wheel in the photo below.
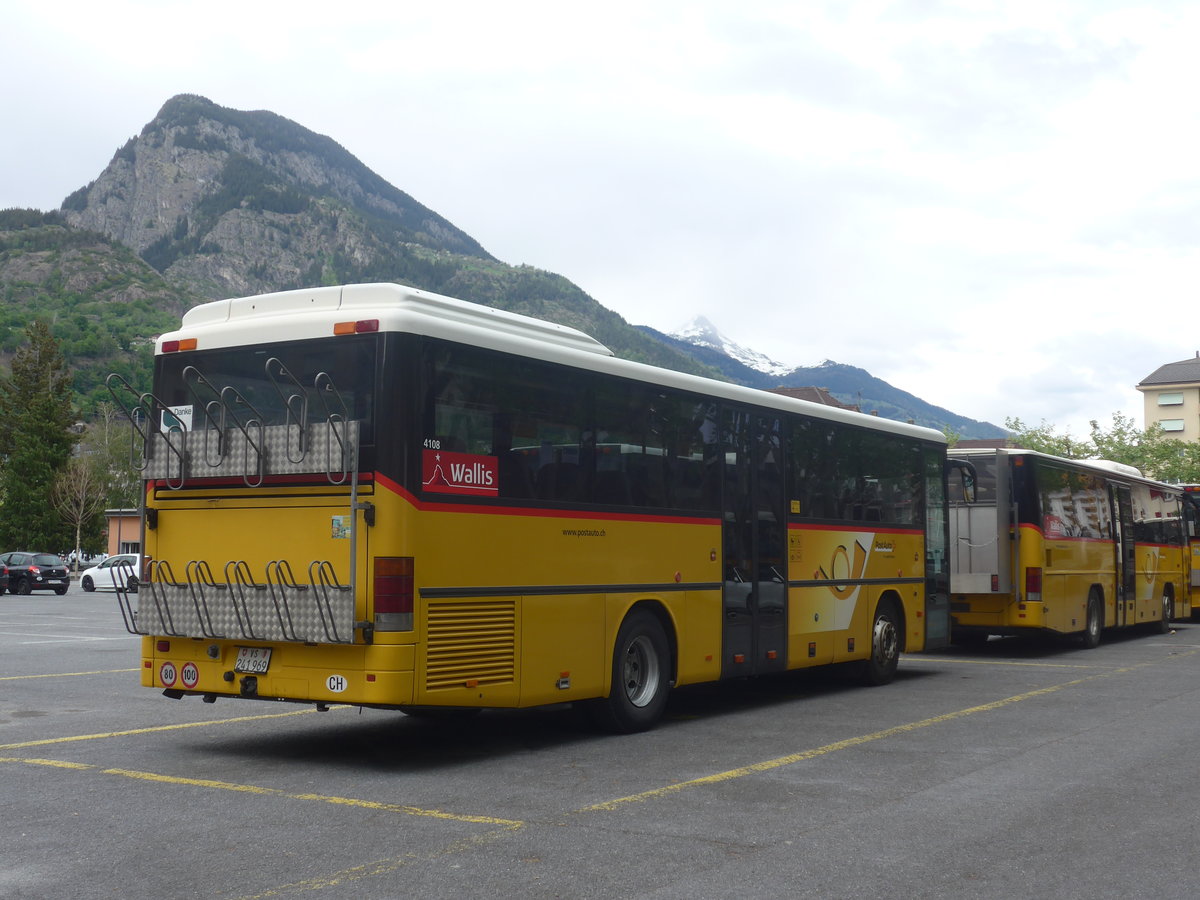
(1168, 610)
(880, 666)
(1095, 621)
(641, 677)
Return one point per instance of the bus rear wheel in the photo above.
(1095, 621)
(641, 677)
(880, 666)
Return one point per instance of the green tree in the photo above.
(1045, 438)
(1148, 450)
(108, 442)
(36, 439)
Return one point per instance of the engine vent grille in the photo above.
(470, 642)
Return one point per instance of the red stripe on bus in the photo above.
(477, 509)
(856, 527)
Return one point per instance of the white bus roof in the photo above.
(306, 314)
(1105, 465)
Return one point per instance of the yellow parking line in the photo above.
(502, 827)
(510, 824)
(115, 734)
(791, 758)
(322, 798)
(1007, 662)
(54, 763)
(381, 867)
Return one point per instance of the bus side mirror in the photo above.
(968, 479)
(966, 475)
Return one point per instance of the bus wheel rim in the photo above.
(639, 671)
(884, 641)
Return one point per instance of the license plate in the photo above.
(252, 660)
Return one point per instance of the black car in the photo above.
(3, 578)
(29, 572)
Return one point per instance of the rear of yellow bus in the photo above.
(262, 572)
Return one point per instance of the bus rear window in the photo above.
(333, 376)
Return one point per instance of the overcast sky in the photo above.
(992, 205)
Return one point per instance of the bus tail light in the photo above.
(393, 583)
(362, 326)
(1033, 584)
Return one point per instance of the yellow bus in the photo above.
(1191, 518)
(1040, 543)
(378, 496)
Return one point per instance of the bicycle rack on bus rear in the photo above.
(233, 439)
(200, 583)
(140, 414)
(125, 579)
(294, 601)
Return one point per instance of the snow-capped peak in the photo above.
(703, 333)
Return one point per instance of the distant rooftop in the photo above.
(987, 444)
(813, 395)
(1186, 371)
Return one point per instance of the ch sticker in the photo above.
(336, 683)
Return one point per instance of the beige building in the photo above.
(124, 531)
(1171, 395)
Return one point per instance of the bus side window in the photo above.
(612, 488)
(512, 465)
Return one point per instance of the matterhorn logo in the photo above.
(459, 473)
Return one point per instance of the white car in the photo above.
(122, 569)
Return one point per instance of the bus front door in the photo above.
(1126, 555)
(754, 635)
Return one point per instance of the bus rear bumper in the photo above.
(358, 676)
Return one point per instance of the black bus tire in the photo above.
(1094, 624)
(1168, 607)
(880, 666)
(641, 676)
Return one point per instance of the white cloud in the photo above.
(988, 204)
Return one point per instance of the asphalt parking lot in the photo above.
(1015, 769)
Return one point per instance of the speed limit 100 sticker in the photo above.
(167, 673)
(189, 674)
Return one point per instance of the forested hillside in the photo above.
(102, 301)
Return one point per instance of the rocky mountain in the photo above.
(209, 202)
(238, 203)
(227, 203)
(849, 384)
